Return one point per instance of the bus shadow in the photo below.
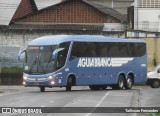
(81, 90)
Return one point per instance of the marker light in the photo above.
(50, 77)
(24, 77)
(52, 82)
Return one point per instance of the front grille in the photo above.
(37, 79)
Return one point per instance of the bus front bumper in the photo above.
(42, 80)
(39, 83)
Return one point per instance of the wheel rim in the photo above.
(129, 82)
(156, 84)
(121, 83)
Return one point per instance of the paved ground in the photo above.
(139, 96)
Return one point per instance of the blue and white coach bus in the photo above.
(84, 60)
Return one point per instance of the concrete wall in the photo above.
(10, 43)
(153, 47)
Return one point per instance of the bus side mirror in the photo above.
(55, 52)
(20, 53)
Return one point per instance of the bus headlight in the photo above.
(24, 83)
(25, 78)
(52, 82)
(50, 77)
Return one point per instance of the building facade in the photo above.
(146, 15)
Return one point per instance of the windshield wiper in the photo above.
(40, 64)
(34, 62)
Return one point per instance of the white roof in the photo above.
(45, 3)
(7, 10)
(9, 7)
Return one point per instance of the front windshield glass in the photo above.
(38, 59)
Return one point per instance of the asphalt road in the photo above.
(138, 96)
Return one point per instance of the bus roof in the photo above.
(57, 39)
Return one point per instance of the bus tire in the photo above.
(155, 83)
(129, 82)
(42, 89)
(69, 84)
(120, 83)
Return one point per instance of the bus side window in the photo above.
(62, 55)
(103, 52)
(137, 49)
(123, 51)
(102, 49)
(132, 49)
(90, 52)
(113, 50)
(141, 49)
(78, 50)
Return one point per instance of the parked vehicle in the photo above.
(153, 78)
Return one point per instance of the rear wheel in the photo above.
(69, 84)
(120, 84)
(129, 82)
(42, 89)
(155, 83)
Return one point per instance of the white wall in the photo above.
(147, 14)
(113, 27)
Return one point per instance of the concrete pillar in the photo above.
(159, 23)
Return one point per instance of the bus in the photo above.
(84, 60)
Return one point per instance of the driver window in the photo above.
(62, 55)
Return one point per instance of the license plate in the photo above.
(36, 83)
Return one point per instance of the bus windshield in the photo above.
(39, 59)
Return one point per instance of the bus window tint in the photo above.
(90, 50)
(108, 49)
(62, 55)
(141, 49)
(137, 49)
(78, 50)
(113, 50)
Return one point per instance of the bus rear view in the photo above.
(84, 60)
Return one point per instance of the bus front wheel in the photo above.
(69, 84)
(42, 89)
